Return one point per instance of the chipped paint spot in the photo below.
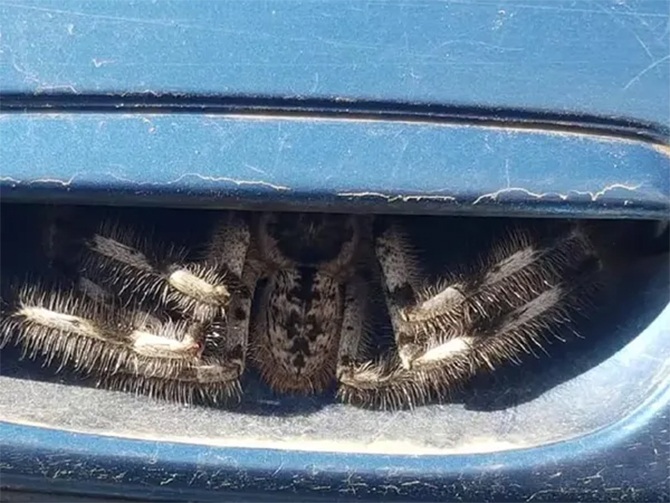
(403, 198)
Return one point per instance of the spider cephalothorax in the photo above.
(291, 294)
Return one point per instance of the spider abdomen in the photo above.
(297, 330)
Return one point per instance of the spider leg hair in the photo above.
(129, 350)
(229, 243)
(400, 273)
(230, 249)
(381, 384)
(141, 271)
(509, 307)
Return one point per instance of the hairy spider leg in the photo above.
(203, 291)
(449, 333)
(383, 383)
(124, 349)
(141, 270)
(198, 355)
(402, 282)
(514, 313)
(230, 249)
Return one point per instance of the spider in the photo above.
(292, 295)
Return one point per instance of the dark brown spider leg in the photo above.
(445, 367)
(380, 384)
(509, 306)
(99, 330)
(400, 273)
(141, 271)
(229, 244)
(230, 250)
(124, 349)
(523, 274)
(235, 344)
(377, 384)
(211, 292)
(352, 332)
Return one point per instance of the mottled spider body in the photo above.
(306, 261)
(291, 294)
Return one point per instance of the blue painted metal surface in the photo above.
(553, 107)
(355, 165)
(173, 472)
(608, 59)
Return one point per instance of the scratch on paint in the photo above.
(208, 179)
(404, 198)
(563, 197)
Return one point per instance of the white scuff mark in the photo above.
(152, 127)
(205, 178)
(50, 12)
(595, 195)
(30, 77)
(57, 87)
(653, 65)
(352, 486)
(616, 18)
(55, 181)
(256, 169)
(278, 469)
(168, 480)
(67, 183)
(27, 75)
(507, 177)
(493, 196)
(388, 488)
(498, 22)
(10, 180)
(539, 493)
(315, 85)
(476, 43)
(101, 62)
(644, 46)
(404, 198)
(120, 476)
